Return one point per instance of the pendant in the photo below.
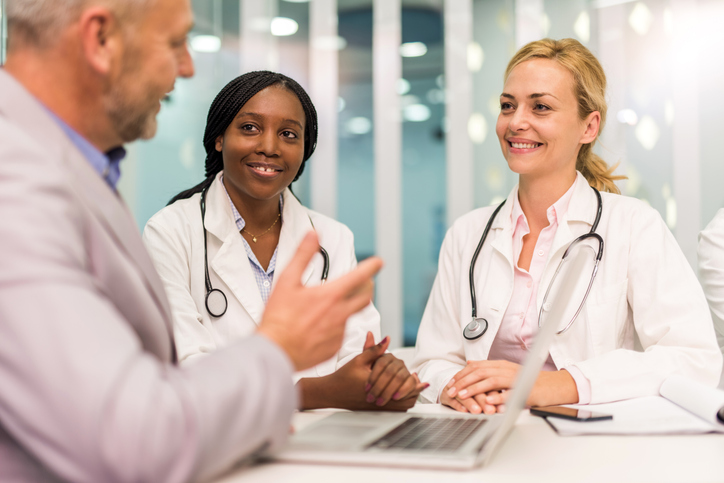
(253, 239)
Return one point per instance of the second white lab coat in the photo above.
(645, 290)
(711, 273)
(174, 237)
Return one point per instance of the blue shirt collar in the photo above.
(106, 165)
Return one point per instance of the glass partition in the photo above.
(664, 72)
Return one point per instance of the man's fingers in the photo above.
(305, 251)
(359, 279)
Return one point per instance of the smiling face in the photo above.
(156, 54)
(263, 147)
(539, 128)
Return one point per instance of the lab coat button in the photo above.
(540, 253)
(547, 306)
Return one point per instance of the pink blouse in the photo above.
(520, 321)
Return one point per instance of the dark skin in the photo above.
(262, 151)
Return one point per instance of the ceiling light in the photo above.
(477, 128)
(403, 86)
(416, 113)
(436, 96)
(647, 133)
(283, 27)
(476, 57)
(669, 112)
(641, 19)
(409, 100)
(627, 116)
(206, 43)
(582, 27)
(359, 125)
(413, 49)
(329, 43)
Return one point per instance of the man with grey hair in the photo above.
(89, 386)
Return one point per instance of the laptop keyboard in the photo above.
(429, 434)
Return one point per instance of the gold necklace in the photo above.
(255, 237)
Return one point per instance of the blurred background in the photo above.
(407, 93)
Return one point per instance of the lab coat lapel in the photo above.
(295, 225)
(231, 263)
(501, 232)
(93, 191)
(578, 220)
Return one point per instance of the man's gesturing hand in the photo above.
(308, 322)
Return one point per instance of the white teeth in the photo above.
(262, 168)
(523, 146)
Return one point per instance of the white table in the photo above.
(533, 452)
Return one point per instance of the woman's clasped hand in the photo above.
(484, 387)
(372, 380)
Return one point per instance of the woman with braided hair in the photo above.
(233, 231)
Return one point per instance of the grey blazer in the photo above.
(89, 387)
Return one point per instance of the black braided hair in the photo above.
(229, 102)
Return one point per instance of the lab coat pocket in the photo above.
(607, 316)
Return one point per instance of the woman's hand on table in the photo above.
(482, 386)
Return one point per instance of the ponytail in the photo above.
(596, 171)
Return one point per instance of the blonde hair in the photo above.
(589, 84)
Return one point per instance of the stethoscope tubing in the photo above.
(477, 327)
(210, 290)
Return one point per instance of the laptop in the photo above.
(434, 440)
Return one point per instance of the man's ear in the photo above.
(101, 38)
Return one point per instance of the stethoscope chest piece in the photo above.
(216, 302)
(475, 328)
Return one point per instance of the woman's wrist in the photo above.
(554, 387)
(316, 392)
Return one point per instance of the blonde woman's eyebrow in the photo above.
(541, 94)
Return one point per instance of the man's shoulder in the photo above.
(23, 157)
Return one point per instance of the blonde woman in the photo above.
(645, 294)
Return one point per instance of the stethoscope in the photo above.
(216, 303)
(478, 326)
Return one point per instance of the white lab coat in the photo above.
(174, 237)
(711, 273)
(644, 290)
